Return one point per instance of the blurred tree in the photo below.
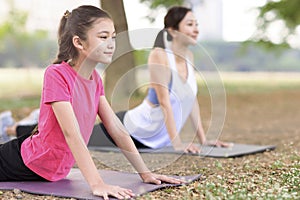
(284, 12)
(13, 33)
(123, 60)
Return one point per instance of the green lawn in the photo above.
(22, 87)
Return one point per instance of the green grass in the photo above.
(20, 82)
(16, 103)
(279, 182)
(253, 82)
(252, 179)
(22, 87)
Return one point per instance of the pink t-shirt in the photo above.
(47, 152)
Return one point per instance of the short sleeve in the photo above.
(100, 83)
(55, 86)
(102, 93)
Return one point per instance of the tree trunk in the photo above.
(123, 60)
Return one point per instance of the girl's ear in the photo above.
(77, 42)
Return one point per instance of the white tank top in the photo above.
(147, 124)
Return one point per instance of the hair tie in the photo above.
(67, 14)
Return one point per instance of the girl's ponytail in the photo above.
(64, 40)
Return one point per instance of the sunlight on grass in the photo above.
(251, 82)
(260, 81)
(20, 82)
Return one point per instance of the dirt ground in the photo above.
(253, 118)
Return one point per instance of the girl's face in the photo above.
(100, 43)
(188, 27)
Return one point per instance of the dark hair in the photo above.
(77, 22)
(172, 19)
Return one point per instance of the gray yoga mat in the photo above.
(74, 185)
(99, 142)
(236, 150)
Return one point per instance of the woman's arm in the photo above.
(123, 140)
(197, 124)
(160, 75)
(70, 128)
(195, 117)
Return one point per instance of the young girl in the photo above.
(72, 96)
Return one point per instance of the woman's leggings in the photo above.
(121, 115)
(22, 130)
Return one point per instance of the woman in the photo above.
(171, 98)
(71, 99)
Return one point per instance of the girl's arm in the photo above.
(160, 75)
(70, 128)
(123, 140)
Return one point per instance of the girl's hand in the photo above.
(105, 190)
(218, 143)
(157, 179)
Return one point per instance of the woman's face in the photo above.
(100, 44)
(188, 27)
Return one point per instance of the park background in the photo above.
(258, 65)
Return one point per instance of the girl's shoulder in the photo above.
(62, 71)
(58, 68)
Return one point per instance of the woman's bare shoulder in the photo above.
(190, 56)
(158, 56)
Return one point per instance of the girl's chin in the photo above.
(105, 61)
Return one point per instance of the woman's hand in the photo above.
(187, 148)
(105, 190)
(157, 179)
(191, 148)
(218, 143)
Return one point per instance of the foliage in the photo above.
(234, 56)
(22, 48)
(283, 11)
(164, 3)
(154, 5)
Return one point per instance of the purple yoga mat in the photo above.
(76, 187)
